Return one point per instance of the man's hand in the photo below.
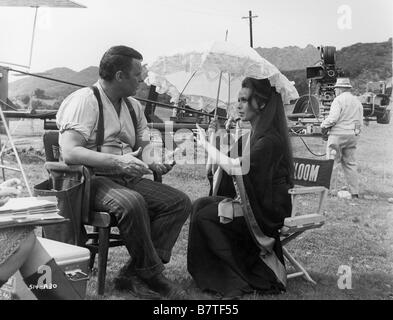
(131, 165)
(325, 133)
(160, 168)
(8, 189)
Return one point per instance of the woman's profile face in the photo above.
(246, 108)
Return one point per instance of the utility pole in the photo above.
(250, 17)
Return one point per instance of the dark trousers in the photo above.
(224, 258)
(150, 216)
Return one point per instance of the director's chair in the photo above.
(310, 177)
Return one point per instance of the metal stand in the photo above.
(3, 119)
(301, 271)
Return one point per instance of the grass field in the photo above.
(357, 233)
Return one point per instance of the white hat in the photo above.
(343, 83)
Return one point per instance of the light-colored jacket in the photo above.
(346, 114)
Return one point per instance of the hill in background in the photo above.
(55, 91)
(364, 62)
(28, 85)
(367, 62)
(290, 58)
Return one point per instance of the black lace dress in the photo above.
(223, 258)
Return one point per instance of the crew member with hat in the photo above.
(343, 124)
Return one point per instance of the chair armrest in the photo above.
(295, 226)
(304, 220)
(306, 190)
(86, 173)
(63, 167)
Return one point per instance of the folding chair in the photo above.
(310, 177)
(101, 239)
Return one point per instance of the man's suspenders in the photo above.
(133, 115)
(100, 127)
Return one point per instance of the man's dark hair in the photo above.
(118, 58)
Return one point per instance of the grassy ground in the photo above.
(357, 233)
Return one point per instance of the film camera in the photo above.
(376, 103)
(325, 74)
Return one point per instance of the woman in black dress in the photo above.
(223, 258)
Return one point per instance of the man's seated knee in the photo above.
(129, 205)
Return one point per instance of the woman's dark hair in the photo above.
(118, 58)
(261, 90)
(272, 117)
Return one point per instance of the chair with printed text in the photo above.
(310, 177)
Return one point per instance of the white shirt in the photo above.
(345, 113)
(79, 112)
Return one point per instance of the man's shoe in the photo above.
(136, 286)
(166, 288)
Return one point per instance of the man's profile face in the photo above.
(132, 78)
(337, 91)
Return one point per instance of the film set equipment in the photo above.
(325, 75)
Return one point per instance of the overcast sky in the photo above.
(77, 38)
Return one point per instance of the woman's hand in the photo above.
(217, 158)
(8, 189)
(213, 125)
(201, 138)
(230, 123)
(11, 183)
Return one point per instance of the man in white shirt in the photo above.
(149, 214)
(344, 122)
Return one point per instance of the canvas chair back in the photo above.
(312, 172)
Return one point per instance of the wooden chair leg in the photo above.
(297, 266)
(92, 253)
(92, 260)
(103, 246)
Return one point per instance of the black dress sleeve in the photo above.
(264, 157)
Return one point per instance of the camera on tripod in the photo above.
(325, 74)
